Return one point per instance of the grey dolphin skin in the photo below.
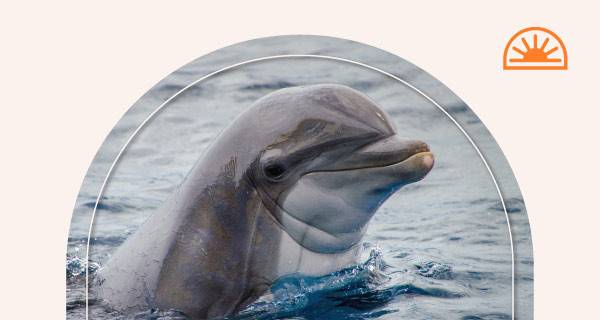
(289, 186)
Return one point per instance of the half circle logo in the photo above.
(535, 48)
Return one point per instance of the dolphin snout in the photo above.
(384, 152)
(395, 144)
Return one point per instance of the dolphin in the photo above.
(288, 187)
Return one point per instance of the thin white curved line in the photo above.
(298, 56)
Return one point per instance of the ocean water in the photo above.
(437, 249)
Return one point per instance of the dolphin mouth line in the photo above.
(383, 152)
(381, 164)
(369, 167)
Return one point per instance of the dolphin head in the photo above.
(331, 158)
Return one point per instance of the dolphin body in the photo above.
(288, 187)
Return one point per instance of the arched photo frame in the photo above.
(463, 239)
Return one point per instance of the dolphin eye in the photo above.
(274, 171)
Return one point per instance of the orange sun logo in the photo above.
(526, 55)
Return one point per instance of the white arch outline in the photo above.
(297, 56)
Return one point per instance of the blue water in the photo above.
(437, 249)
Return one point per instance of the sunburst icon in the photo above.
(535, 48)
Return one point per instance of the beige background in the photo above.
(69, 71)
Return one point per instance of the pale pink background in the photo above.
(70, 70)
